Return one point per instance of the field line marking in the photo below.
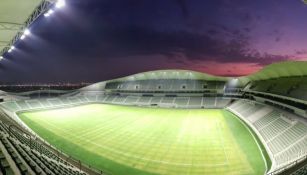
(133, 156)
(244, 124)
(222, 140)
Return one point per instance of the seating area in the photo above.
(179, 102)
(285, 136)
(286, 139)
(301, 171)
(20, 156)
(165, 85)
(294, 87)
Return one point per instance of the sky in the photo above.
(97, 40)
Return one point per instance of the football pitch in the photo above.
(137, 140)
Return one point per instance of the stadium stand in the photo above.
(22, 155)
(274, 107)
(285, 139)
(179, 102)
(301, 171)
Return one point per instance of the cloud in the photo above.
(179, 45)
(183, 7)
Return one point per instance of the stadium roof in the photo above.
(277, 70)
(15, 17)
(171, 74)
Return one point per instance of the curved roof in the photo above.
(158, 74)
(281, 69)
(15, 17)
(171, 74)
(276, 70)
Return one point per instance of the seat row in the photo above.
(284, 135)
(180, 102)
(19, 155)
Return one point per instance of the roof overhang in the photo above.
(15, 17)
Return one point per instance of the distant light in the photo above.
(12, 47)
(1, 57)
(60, 4)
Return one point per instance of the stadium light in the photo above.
(23, 37)
(60, 4)
(47, 14)
(11, 49)
(25, 33)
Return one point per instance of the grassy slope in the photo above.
(239, 143)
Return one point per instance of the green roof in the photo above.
(276, 70)
(171, 74)
(15, 16)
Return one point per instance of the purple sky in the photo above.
(95, 40)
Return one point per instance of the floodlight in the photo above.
(11, 49)
(23, 37)
(1, 57)
(60, 4)
(47, 14)
(26, 32)
(50, 11)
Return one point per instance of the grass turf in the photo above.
(136, 140)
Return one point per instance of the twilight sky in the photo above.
(95, 40)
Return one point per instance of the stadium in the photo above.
(169, 121)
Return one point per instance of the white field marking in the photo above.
(222, 141)
(86, 132)
(124, 125)
(117, 116)
(133, 156)
(266, 166)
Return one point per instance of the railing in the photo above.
(290, 165)
(68, 159)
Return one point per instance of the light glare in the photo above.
(47, 14)
(60, 4)
(23, 37)
(27, 32)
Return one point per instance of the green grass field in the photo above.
(135, 140)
